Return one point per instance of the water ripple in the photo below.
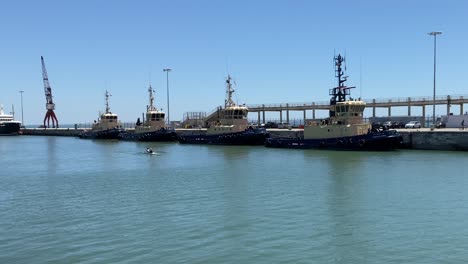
(202, 204)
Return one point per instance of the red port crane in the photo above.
(50, 106)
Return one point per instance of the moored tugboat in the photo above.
(345, 129)
(106, 127)
(8, 126)
(231, 128)
(153, 128)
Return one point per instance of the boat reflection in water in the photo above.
(230, 128)
(153, 128)
(106, 127)
(344, 129)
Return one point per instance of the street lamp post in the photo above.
(22, 116)
(167, 87)
(434, 33)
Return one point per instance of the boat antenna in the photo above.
(227, 66)
(149, 77)
(360, 77)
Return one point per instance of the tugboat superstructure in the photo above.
(107, 126)
(345, 128)
(231, 128)
(153, 128)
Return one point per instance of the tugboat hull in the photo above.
(104, 134)
(385, 140)
(248, 137)
(160, 135)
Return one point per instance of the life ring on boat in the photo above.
(362, 142)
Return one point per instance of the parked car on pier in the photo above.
(271, 125)
(413, 124)
(284, 125)
(377, 125)
(398, 124)
(440, 124)
(393, 124)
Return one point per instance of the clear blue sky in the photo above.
(277, 52)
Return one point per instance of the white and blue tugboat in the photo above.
(8, 126)
(231, 128)
(106, 127)
(345, 129)
(153, 128)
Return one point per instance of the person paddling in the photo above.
(149, 150)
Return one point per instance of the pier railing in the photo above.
(421, 100)
(89, 125)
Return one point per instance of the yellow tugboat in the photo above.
(107, 126)
(153, 128)
(231, 128)
(345, 128)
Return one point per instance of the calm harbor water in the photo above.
(66, 200)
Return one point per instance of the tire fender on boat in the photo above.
(362, 142)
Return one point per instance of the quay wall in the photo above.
(71, 132)
(63, 132)
(424, 138)
(439, 139)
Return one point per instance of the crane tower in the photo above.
(50, 106)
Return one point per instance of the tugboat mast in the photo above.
(151, 107)
(229, 91)
(339, 93)
(107, 102)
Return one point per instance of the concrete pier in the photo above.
(63, 132)
(437, 139)
(423, 138)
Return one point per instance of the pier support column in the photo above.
(263, 114)
(409, 106)
(373, 107)
(389, 111)
(287, 113)
(258, 120)
(461, 109)
(448, 104)
(313, 111)
(281, 116)
(305, 117)
(424, 112)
